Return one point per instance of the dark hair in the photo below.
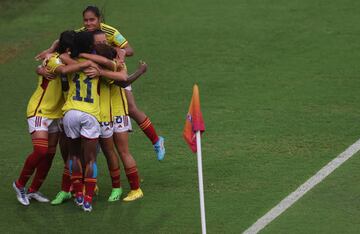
(66, 41)
(105, 50)
(83, 43)
(93, 9)
(97, 32)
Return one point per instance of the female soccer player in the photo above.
(43, 110)
(121, 124)
(92, 22)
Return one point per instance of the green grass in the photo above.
(279, 88)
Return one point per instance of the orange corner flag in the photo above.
(194, 120)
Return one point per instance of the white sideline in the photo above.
(304, 188)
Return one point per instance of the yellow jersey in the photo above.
(105, 101)
(119, 105)
(83, 94)
(47, 100)
(113, 36)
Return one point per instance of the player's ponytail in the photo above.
(66, 41)
(83, 43)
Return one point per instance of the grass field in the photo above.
(279, 84)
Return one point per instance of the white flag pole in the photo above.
(201, 186)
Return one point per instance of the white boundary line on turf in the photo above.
(304, 188)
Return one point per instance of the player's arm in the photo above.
(129, 51)
(48, 51)
(113, 75)
(66, 59)
(121, 77)
(119, 42)
(45, 72)
(142, 67)
(70, 68)
(102, 61)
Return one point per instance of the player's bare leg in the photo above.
(146, 126)
(107, 146)
(122, 146)
(64, 194)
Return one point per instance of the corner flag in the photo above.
(194, 126)
(194, 120)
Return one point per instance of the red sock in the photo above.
(66, 180)
(42, 170)
(115, 178)
(149, 130)
(77, 182)
(32, 161)
(90, 184)
(133, 177)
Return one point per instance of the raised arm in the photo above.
(142, 67)
(44, 53)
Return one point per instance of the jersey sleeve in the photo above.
(118, 40)
(53, 63)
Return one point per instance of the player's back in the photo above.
(83, 94)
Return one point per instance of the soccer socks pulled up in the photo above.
(133, 177)
(115, 178)
(66, 180)
(90, 179)
(77, 176)
(42, 170)
(40, 150)
(149, 130)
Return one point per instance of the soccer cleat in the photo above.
(79, 200)
(160, 148)
(20, 195)
(37, 196)
(87, 207)
(115, 194)
(61, 197)
(134, 195)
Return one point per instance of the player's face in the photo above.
(100, 39)
(91, 21)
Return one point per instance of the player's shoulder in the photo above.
(82, 29)
(108, 29)
(52, 58)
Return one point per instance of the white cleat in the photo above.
(37, 196)
(20, 195)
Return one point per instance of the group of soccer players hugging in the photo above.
(83, 99)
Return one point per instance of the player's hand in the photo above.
(92, 72)
(42, 55)
(64, 56)
(120, 55)
(44, 72)
(142, 67)
(93, 65)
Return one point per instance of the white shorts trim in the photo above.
(128, 88)
(39, 123)
(122, 124)
(106, 129)
(81, 124)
